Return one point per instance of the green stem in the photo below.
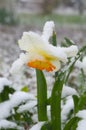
(41, 96)
(56, 104)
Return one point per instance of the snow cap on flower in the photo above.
(48, 30)
(39, 53)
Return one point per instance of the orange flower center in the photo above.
(41, 65)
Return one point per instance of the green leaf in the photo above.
(4, 95)
(82, 102)
(67, 42)
(41, 96)
(56, 102)
(46, 126)
(54, 42)
(70, 123)
(25, 89)
(75, 100)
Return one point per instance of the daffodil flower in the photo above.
(39, 53)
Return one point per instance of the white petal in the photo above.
(17, 65)
(48, 30)
(57, 64)
(70, 51)
(33, 43)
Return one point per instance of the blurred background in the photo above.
(17, 16)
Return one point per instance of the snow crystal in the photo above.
(35, 118)
(81, 125)
(82, 114)
(37, 126)
(4, 82)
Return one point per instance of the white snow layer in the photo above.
(81, 114)
(16, 99)
(81, 125)
(4, 82)
(5, 109)
(37, 126)
(28, 106)
(20, 97)
(67, 108)
(68, 91)
(7, 124)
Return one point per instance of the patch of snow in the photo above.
(35, 118)
(68, 91)
(81, 125)
(81, 114)
(67, 108)
(16, 99)
(4, 82)
(37, 126)
(20, 97)
(27, 107)
(7, 124)
(5, 109)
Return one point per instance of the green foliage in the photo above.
(7, 17)
(47, 126)
(25, 89)
(4, 95)
(41, 96)
(70, 124)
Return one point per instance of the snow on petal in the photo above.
(81, 125)
(48, 30)
(70, 51)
